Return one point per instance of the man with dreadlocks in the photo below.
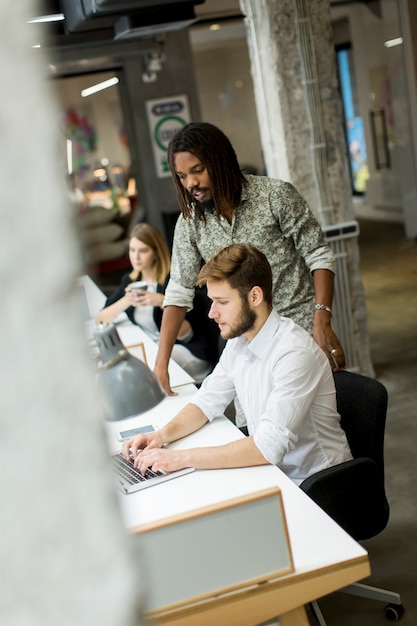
(221, 206)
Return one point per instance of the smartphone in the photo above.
(127, 434)
(139, 284)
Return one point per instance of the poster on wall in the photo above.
(166, 116)
(81, 140)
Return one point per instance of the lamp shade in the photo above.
(127, 385)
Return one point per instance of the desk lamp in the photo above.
(127, 385)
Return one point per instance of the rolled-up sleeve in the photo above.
(185, 265)
(322, 258)
(176, 295)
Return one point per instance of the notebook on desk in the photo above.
(129, 479)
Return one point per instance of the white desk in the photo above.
(130, 334)
(325, 557)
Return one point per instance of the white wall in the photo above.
(226, 97)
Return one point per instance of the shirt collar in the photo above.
(262, 340)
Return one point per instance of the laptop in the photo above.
(130, 480)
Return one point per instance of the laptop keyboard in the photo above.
(130, 474)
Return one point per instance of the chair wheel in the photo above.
(394, 612)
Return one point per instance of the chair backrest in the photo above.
(353, 493)
(362, 403)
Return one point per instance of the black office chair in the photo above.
(353, 493)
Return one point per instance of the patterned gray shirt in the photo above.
(273, 217)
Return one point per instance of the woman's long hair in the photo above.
(151, 236)
(211, 146)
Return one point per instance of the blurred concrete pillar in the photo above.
(301, 124)
(65, 557)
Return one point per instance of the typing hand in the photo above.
(132, 447)
(161, 460)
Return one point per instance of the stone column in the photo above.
(65, 557)
(301, 124)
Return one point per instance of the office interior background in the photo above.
(377, 75)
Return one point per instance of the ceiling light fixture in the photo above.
(57, 17)
(393, 42)
(99, 87)
(69, 157)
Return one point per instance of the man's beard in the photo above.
(244, 322)
(208, 205)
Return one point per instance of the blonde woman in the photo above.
(151, 263)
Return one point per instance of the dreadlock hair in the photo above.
(243, 266)
(211, 146)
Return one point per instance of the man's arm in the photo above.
(241, 453)
(323, 333)
(149, 449)
(298, 223)
(172, 318)
(187, 421)
(179, 294)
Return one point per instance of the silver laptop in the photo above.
(129, 479)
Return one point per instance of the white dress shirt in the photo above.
(285, 385)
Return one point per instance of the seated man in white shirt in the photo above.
(281, 377)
